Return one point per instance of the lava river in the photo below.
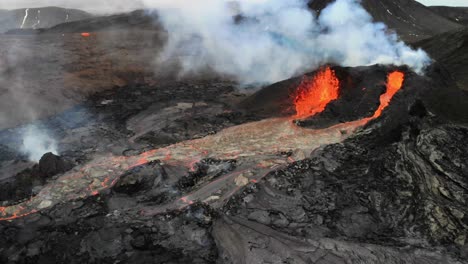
(256, 146)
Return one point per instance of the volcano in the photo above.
(142, 164)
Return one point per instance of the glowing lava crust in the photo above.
(255, 145)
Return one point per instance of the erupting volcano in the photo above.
(314, 94)
(174, 136)
(256, 145)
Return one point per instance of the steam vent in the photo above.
(241, 132)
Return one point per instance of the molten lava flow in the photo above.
(314, 95)
(85, 34)
(252, 144)
(394, 84)
(16, 212)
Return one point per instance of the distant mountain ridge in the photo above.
(450, 49)
(456, 14)
(35, 18)
(410, 19)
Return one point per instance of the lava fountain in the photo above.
(256, 146)
(394, 84)
(313, 95)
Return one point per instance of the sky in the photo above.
(105, 6)
(445, 2)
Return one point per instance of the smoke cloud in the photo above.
(271, 40)
(37, 142)
(21, 100)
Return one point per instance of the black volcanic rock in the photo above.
(51, 164)
(141, 178)
(410, 19)
(36, 18)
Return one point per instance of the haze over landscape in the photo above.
(108, 6)
(233, 131)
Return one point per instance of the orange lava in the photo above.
(85, 34)
(20, 212)
(143, 159)
(394, 84)
(186, 200)
(314, 95)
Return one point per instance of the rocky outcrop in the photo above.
(51, 164)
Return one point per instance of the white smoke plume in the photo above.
(20, 102)
(256, 41)
(276, 39)
(37, 142)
